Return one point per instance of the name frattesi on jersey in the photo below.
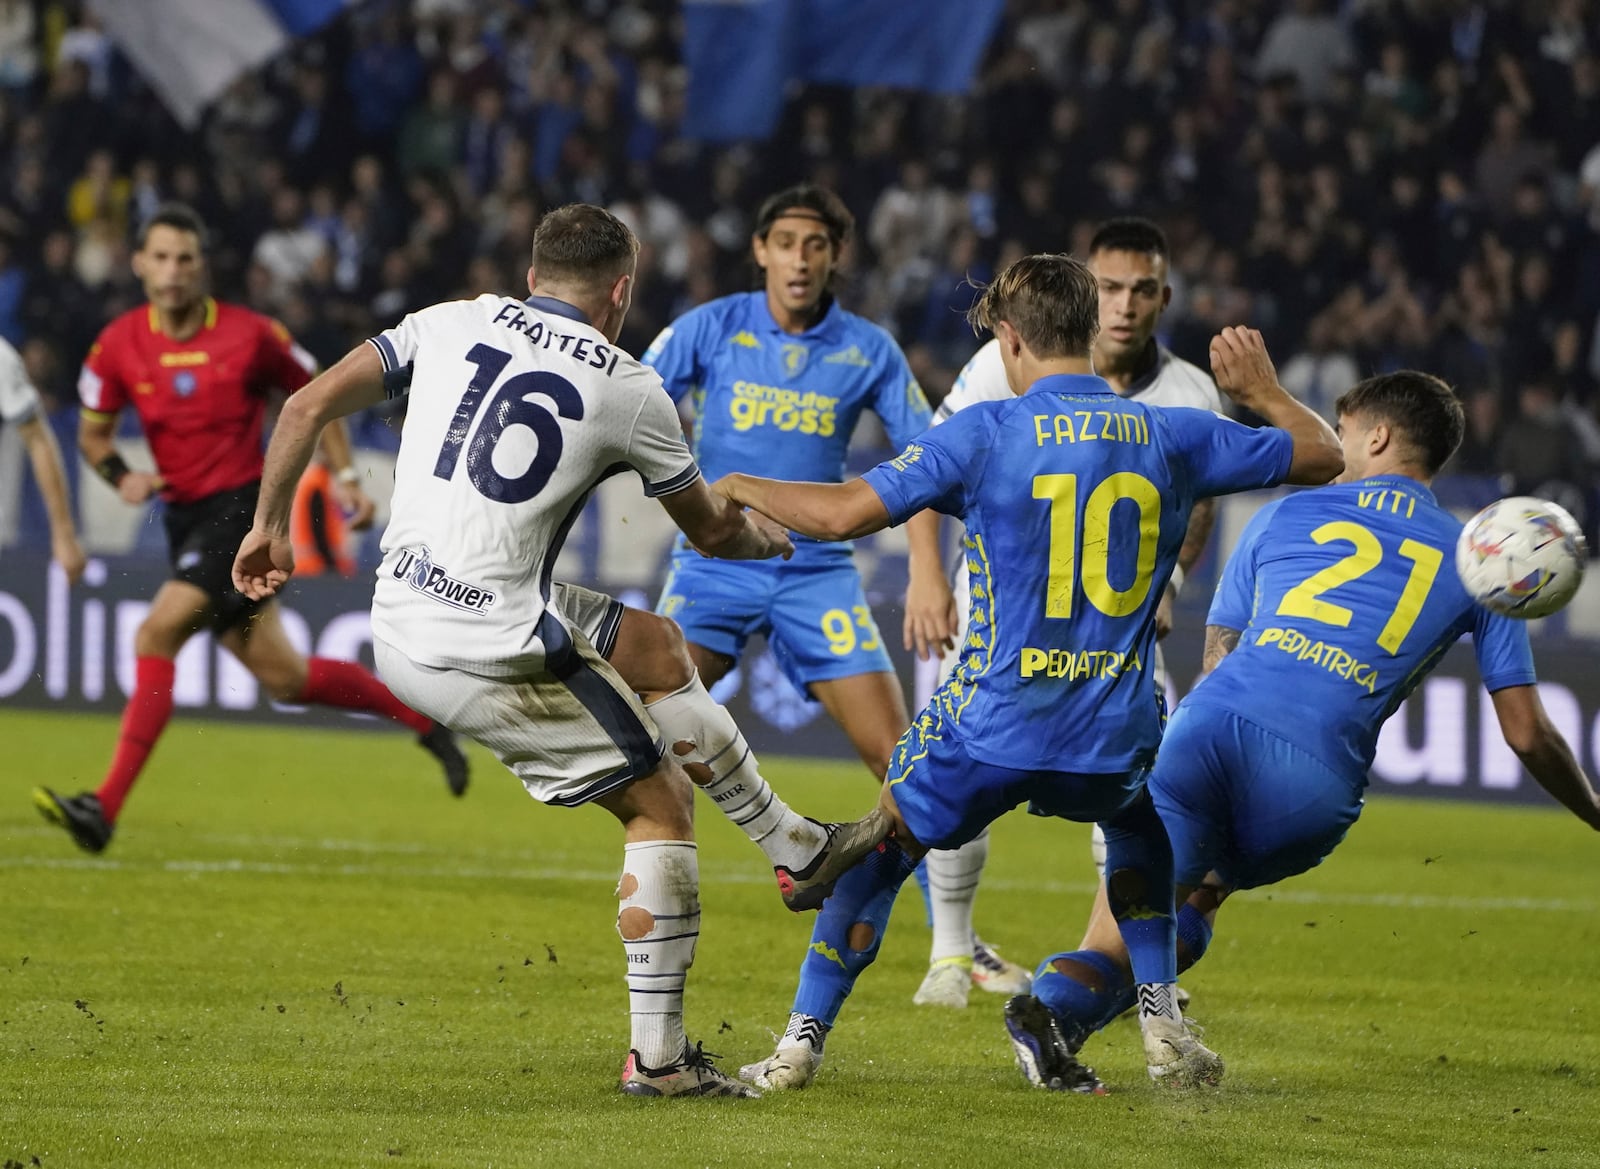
(584, 349)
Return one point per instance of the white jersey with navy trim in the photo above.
(19, 401)
(1171, 381)
(516, 411)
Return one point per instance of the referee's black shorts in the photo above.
(203, 538)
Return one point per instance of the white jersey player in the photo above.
(21, 408)
(517, 410)
(1129, 260)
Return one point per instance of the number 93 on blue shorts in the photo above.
(815, 618)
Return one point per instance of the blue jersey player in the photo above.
(778, 380)
(1075, 502)
(1345, 598)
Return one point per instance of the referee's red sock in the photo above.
(330, 682)
(143, 720)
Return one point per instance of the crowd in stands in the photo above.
(1374, 183)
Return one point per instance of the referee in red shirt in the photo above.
(199, 374)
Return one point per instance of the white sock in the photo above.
(1158, 1000)
(689, 715)
(658, 917)
(805, 1030)
(952, 888)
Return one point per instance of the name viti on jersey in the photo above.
(415, 566)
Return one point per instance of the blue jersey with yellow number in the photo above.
(1347, 596)
(1075, 502)
(784, 405)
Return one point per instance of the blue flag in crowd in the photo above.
(741, 54)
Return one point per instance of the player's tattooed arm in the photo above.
(265, 560)
(1220, 642)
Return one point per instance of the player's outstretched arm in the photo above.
(721, 528)
(1530, 733)
(823, 511)
(1244, 371)
(265, 561)
(51, 476)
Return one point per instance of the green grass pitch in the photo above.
(301, 952)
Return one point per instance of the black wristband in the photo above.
(112, 469)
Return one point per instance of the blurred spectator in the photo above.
(13, 287)
(99, 193)
(1318, 374)
(1373, 183)
(1542, 453)
(288, 250)
(19, 49)
(1309, 45)
(430, 136)
(1479, 453)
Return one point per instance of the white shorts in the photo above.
(595, 615)
(571, 732)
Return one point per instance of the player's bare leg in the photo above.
(806, 856)
(658, 919)
(262, 645)
(178, 611)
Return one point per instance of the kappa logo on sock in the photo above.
(415, 566)
(827, 952)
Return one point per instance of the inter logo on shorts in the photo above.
(415, 566)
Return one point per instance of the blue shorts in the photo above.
(946, 797)
(1245, 803)
(816, 619)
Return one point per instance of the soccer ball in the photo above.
(1523, 557)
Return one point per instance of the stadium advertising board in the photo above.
(72, 649)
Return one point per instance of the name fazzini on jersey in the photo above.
(516, 411)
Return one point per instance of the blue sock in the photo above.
(863, 896)
(1194, 931)
(1139, 875)
(1079, 1008)
(927, 896)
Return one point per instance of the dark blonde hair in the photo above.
(582, 243)
(1051, 300)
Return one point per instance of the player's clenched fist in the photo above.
(264, 564)
(1240, 364)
